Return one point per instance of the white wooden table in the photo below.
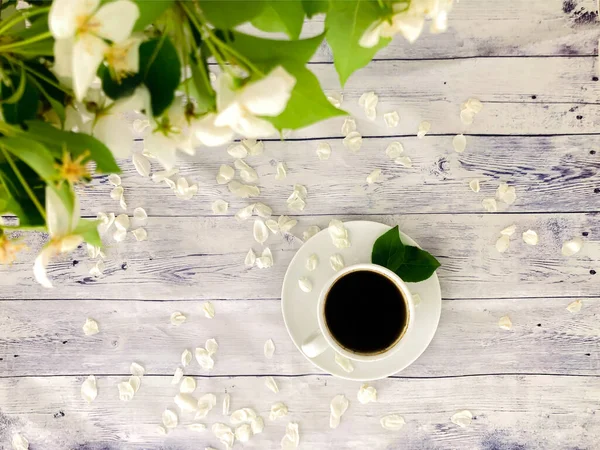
(533, 64)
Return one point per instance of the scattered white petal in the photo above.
(119, 235)
(373, 176)
(424, 128)
(263, 210)
(226, 404)
(205, 404)
(323, 151)
(177, 376)
(245, 213)
(506, 193)
(161, 430)
(266, 259)
(237, 150)
(141, 164)
(474, 185)
(505, 323)
(89, 390)
(530, 237)
(305, 284)
(198, 427)
(335, 98)
(114, 179)
(186, 358)
(247, 173)
(575, 307)
(404, 161)
(392, 422)
(310, 232)
(489, 204)
(572, 247)
(260, 231)
(338, 407)
(278, 410)
(462, 418)
(272, 225)
(211, 346)
(466, 116)
(281, 171)
(19, 442)
(186, 402)
(394, 150)
(106, 221)
(243, 433)
(117, 193)
(243, 190)
(122, 222)
(353, 141)
(416, 299)
(474, 105)
(291, 439)
(286, 224)
(371, 113)
(90, 327)
(254, 147)
(220, 206)
(509, 231)
(224, 434)
(367, 394)
(296, 201)
(135, 382)
(177, 318)
(170, 419)
(257, 425)
(337, 262)
(368, 100)
(344, 363)
(312, 262)
(225, 174)
(184, 190)
(140, 234)
(242, 415)
(269, 348)
(459, 142)
(502, 243)
(391, 119)
(137, 369)
(158, 177)
(271, 385)
(209, 310)
(188, 385)
(348, 127)
(140, 214)
(122, 203)
(125, 391)
(250, 258)
(204, 359)
(339, 234)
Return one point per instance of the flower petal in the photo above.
(394, 150)
(268, 96)
(424, 128)
(337, 262)
(64, 14)
(210, 134)
(462, 418)
(574, 307)
(141, 164)
(170, 419)
(392, 422)
(323, 151)
(39, 267)
(344, 363)
(530, 237)
(367, 394)
(116, 20)
(312, 262)
(572, 247)
(250, 259)
(505, 323)
(353, 141)
(459, 142)
(391, 119)
(474, 185)
(269, 348)
(278, 410)
(90, 327)
(89, 390)
(88, 53)
(281, 171)
(220, 206)
(261, 232)
(373, 176)
(209, 310)
(305, 284)
(502, 243)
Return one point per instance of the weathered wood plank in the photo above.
(551, 174)
(45, 338)
(490, 28)
(532, 412)
(202, 258)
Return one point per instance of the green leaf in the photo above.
(161, 68)
(346, 22)
(117, 89)
(88, 229)
(17, 93)
(24, 109)
(410, 263)
(229, 13)
(75, 143)
(150, 11)
(313, 7)
(202, 90)
(281, 16)
(307, 104)
(270, 53)
(21, 204)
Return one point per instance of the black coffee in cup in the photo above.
(366, 312)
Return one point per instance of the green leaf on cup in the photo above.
(408, 262)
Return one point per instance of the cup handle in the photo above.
(314, 345)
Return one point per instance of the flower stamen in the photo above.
(73, 171)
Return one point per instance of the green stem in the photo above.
(23, 16)
(39, 37)
(39, 75)
(22, 180)
(237, 55)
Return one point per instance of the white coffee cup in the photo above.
(322, 339)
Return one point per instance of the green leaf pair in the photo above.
(410, 263)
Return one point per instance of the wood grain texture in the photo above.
(203, 258)
(45, 338)
(514, 412)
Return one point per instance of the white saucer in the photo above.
(300, 308)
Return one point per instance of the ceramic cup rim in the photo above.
(402, 287)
